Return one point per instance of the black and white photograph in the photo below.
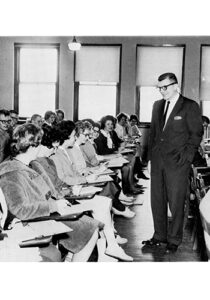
(105, 145)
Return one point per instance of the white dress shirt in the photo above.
(171, 106)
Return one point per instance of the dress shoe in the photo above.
(127, 213)
(143, 176)
(118, 252)
(153, 242)
(138, 186)
(120, 240)
(171, 248)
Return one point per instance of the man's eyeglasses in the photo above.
(164, 87)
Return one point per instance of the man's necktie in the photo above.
(165, 113)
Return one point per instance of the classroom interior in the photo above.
(109, 75)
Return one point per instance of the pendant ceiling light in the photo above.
(74, 45)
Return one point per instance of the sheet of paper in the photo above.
(117, 162)
(125, 151)
(90, 190)
(78, 208)
(46, 228)
(102, 178)
(108, 157)
(103, 172)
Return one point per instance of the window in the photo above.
(97, 82)
(205, 80)
(36, 79)
(152, 62)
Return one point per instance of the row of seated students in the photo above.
(48, 161)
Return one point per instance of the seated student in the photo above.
(99, 205)
(50, 140)
(49, 119)
(5, 121)
(67, 169)
(200, 157)
(28, 196)
(135, 134)
(108, 143)
(134, 130)
(111, 189)
(14, 118)
(36, 119)
(89, 149)
(59, 115)
(122, 127)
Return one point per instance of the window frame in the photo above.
(201, 101)
(77, 83)
(17, 48)
(137, 98)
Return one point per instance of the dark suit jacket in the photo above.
(182, 134)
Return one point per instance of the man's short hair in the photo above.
(4, 112)
(34, 117)
(170, 76)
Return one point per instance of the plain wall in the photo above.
(128, 66)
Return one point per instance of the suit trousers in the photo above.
(169, 185)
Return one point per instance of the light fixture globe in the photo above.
(74, 45)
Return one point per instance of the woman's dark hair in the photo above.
(59, 111)
(97, 124)
(80, 126)
(134, 117)
(121, 115)
(48, 114)
(89, 120)
(65, 128)
(51, 135)
(24, 136)
(107, 118)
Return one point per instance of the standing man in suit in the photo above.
(176, 133)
